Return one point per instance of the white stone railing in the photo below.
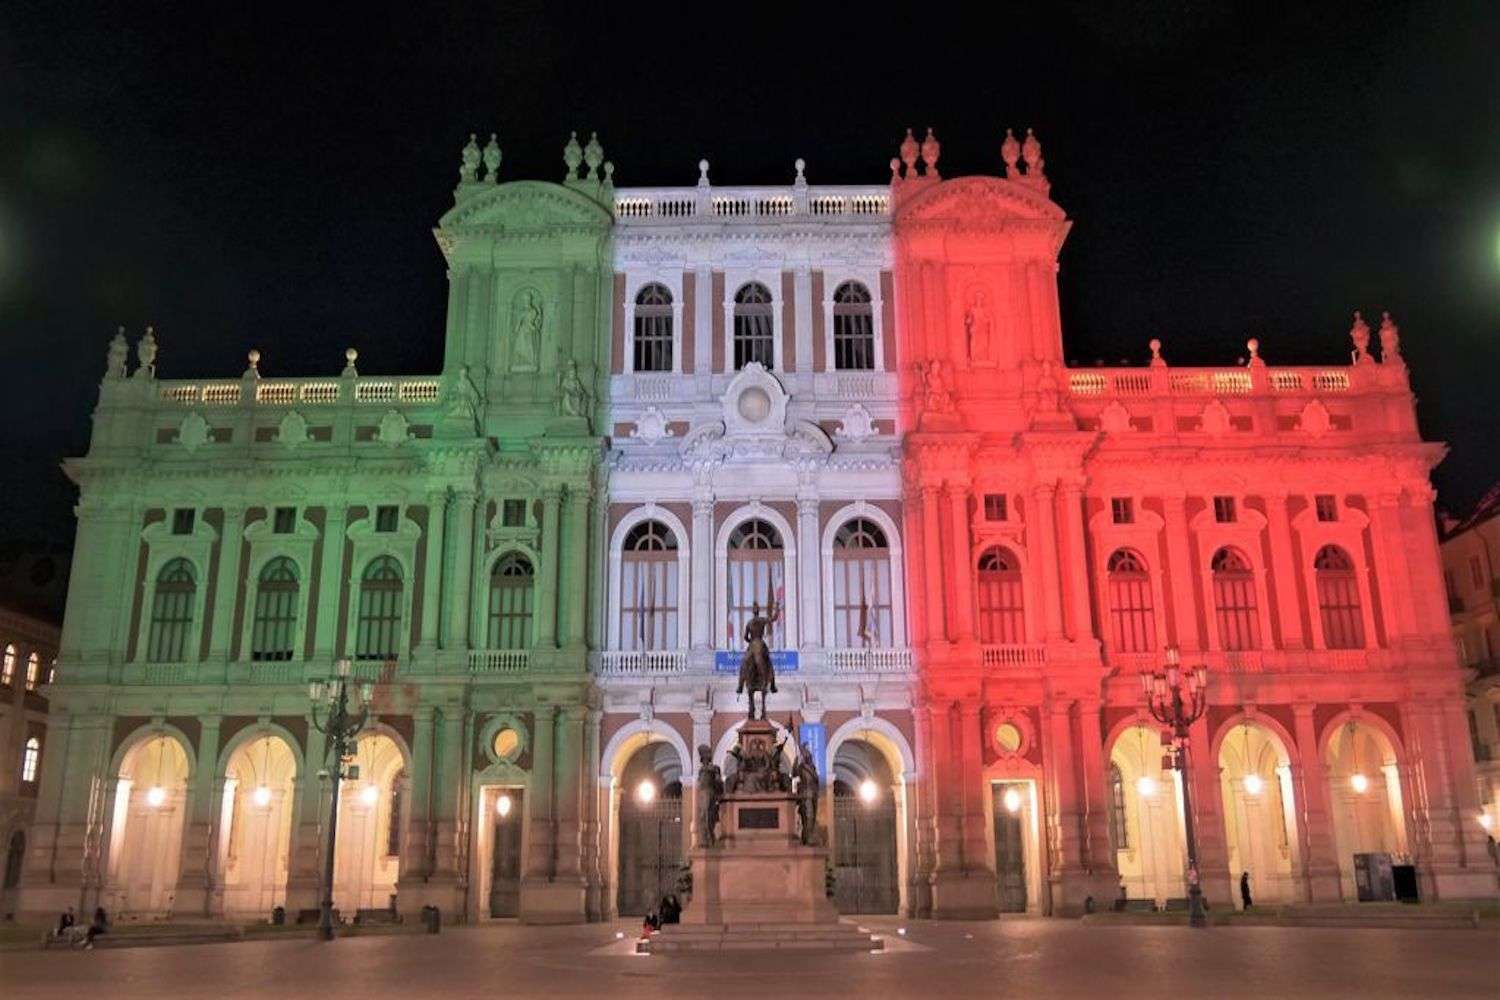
(304, 392)
(499, 661)
(890, 660)
(635, 206)
(643, 662)
(267, 672)
(1162, 381)
(163, 673)
(1020, 655)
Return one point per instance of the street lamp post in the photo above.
(341, 722)
(1177, 699)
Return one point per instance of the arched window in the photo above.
(1234, 600)
(31, 758)
(653, 329)
(275, 622)
(754, 331)
(511, 589)
(862, 614)
(853, 328)
(755, 584)
(33, 671)
(171, 612)
(649, 587)
(1132, 626)
(380, 592)
(1002, 619)
(1119, 829)
(1338, 599)
(8, 667)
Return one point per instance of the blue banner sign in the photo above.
(815, 735)
(727, 661)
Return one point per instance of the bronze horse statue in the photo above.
(756, 671)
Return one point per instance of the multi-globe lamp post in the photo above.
(344, 710)
(1177, 698)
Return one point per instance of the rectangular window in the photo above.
(513, 513)
(182, 521)
(286, 520)
(1224, 510)
(1327, 506)
(995, 507)
(385, 518)
(1122, 510)
(1476, 573)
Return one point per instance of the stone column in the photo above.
(1098, 853)
(924, 824)
(1390, 560)
(460, 524)
(932, 544)
(432, 573)
(1182, 581)
(1044, 550)
(537, 900)
(1286, 593)
(702, 566)
(809, 570)
(960, 576)
(1074, 539)
(227, 587)
(976, 850)
(1315, 821)
(330, 584)
(547, 573)
(447, 780)
(575, 572)
(1208, 808)
(590, 830)
(416, 847)
(196, 875)
(1067, 814)
(305, 847)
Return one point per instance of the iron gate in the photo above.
(650, 852)
(864, 855)
(1010, 854)
(505, 859)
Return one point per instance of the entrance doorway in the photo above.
(505, 853)
(650, 829)
(1010, 846)
(865, 868)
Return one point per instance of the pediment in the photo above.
(978, 200)
(527, 206)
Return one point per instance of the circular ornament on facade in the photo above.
(506, 744)
(1010, 736)
(754, 404)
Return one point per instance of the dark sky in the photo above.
(269, 178)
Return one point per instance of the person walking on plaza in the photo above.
(1245, 889)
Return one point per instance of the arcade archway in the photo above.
(151, 801)
(1259, 819)
(1364, 782)
(259, 798)
(372, 807)
(866, 818)
(1146, 817)
(650, 828)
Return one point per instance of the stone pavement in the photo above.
(1024, 957)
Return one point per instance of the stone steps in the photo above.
(676, 939)
(157, 935)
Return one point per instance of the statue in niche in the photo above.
(937, 397)
(573, 396)
(526, 331)
(977, 327)
(710, 795)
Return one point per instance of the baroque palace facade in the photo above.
(663, 411)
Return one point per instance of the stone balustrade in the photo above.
(672, 206)
(302, 392)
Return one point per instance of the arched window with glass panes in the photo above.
(1132, 624)
(31, 759)
(1235, 610)
(33, 671)
(862, 610)
(755, 583)
(273, 629)
(171, 612)
(649, 588)
(8, 667)
(1338, 599)
(651, 349)
(754, 329)
(512, 592)
(1119, 826)
(1002, 617)
(378, 627)
(853, 328)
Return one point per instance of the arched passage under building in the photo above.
(650, 818)
(145, 844)
(1146, 817)
(1364, 793)
(372, 813)
(866, 818)
(1260, 825)
(260, 781)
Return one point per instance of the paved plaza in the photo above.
(946, 960)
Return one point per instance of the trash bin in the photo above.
(433, 918)
(278, 916)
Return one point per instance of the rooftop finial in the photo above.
(895, 170)
(492, 159)
(593, 154)
(801, 165)
(572, 156)
(350, 356)
(254, 370)
(1253, 345)
(468, 171)
(1031, 150)
(703, 173)
(118, 354)
(1010, 152)
(931, 149)
(909, 154)
(1157, 361)
(145, 353)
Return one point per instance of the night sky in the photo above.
(269, 178)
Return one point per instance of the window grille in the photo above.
(379, 621)
(754, 327)
(1338, 599)
(1132, 622)
(272, 630)
(862, 605)
(853, 328)
(1001, 612)
(996, 507)
(649, 588)
(1234, 601)
(1122, 510)
(1224, 512)
(653, 329)
(286, 520)
(385, 518)
(511, 592)
(182, 521)
(755, 582)
(171, 612)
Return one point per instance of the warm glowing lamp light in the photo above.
(369, 795)
(868, 790)
(1486, 821)
(1253, 784)
(1146, 785)
(645, 792)
(1012, 800)
(156, 796)
(261, 796)
(504, 804)
(1359, 783)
